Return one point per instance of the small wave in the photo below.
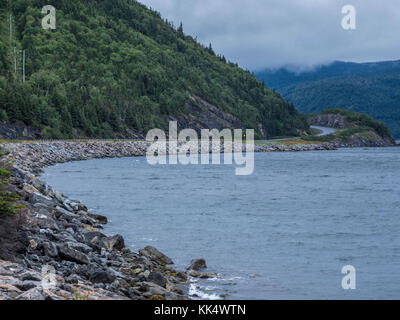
(231, 279)
(345, 259)
(196, 292)
(148, 239)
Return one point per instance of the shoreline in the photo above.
(63, 234)
(36, 155)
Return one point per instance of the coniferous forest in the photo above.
(113, 65)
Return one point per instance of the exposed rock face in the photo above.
(15, 131)
(23, 132)
(336, 121)
(205, 115)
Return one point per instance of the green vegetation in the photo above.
(371, 88)
(7, 198)
(354, 119)
(113, 65)
(291, 142)
(356, 124)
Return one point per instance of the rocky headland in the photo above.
(353, 129)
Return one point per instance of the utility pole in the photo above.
(15, 52)
(23, 65)
(11, 30)
(15, 59)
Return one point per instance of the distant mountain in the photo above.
(371, 88)
(114, 68)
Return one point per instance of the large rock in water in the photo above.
(153, 254)
(197, 264)
(101, 219)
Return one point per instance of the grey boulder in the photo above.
(157, 278)
(197, 264)
(69, 254)
(102, 277)
(114, 243)
(37, 197)
(155, 255)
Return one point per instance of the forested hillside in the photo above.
(113, 66)
(372, 88)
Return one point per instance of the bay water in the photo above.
(284, 232)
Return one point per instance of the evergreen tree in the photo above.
(180, 31)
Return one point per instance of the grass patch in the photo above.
(327, 138)
(8, 199)
(258, 143)
(314, 131)
(298, 141)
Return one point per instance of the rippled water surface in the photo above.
(284, 232)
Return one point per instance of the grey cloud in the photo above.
(273, 33)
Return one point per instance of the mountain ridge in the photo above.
(372, 88)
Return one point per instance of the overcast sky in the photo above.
(260, 34)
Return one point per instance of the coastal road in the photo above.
(324, 130)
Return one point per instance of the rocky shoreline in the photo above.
(54, 248)
(59, 239)
(59, 252)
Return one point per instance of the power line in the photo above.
(15, 52)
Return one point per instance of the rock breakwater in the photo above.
(34, 156)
